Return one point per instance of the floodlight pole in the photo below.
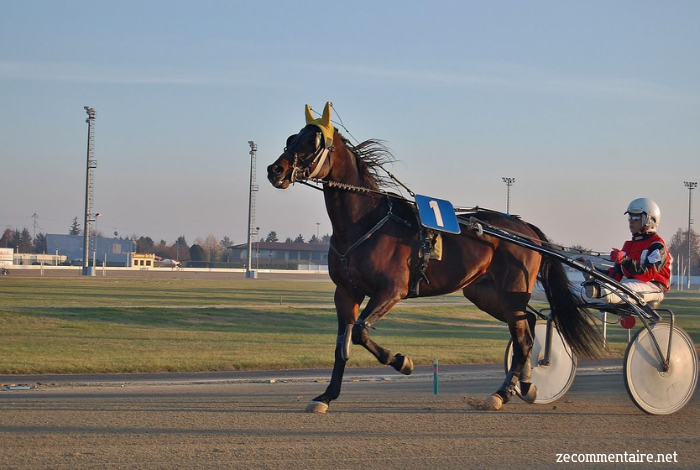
(509, 182)
(250, 273)
(690, 185)
(89, 187)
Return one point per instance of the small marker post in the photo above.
(435, 376)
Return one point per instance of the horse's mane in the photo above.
(371, 156)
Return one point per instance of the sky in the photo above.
(588, 105)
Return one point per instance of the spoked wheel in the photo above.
(553, 380)
(652, 389)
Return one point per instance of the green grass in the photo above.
(71, 325)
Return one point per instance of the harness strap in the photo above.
(317, 160)
(427, 236)
(427, 242)
(363, 238)
(321, 159)
(367, 236)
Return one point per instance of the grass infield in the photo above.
(91, 325)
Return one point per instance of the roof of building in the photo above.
(285, 246)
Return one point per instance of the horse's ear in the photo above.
(323, 123)
(326, 119)
(309, 116)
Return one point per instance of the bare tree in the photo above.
(211, 246)
(678, 246)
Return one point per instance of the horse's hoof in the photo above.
(404, 364)
(494, 402)
(528, 392)
(316, 407)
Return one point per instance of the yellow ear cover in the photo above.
(323, 123)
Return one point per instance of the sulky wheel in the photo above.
(552, 380)
(652, 389)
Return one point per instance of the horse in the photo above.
(377, 252)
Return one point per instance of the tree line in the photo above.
(678, 246)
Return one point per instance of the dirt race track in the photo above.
(381, 421)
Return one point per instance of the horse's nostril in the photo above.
(277, 170)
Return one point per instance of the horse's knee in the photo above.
(360, 332)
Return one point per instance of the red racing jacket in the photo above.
(646, 259)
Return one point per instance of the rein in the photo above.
(477, 226)
(469, 224)
(352, 188)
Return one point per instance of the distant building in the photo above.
(269, 253)
(6, 256)
(143, 260)
(113, 250)
(37, 258)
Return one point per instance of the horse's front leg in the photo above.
(377, 307)
(347, 304)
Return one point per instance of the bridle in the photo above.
(304, 169)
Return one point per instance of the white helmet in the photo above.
(651, 214)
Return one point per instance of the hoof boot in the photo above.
(528, 392)
(403, 364)
(494, 402)
(407, 366)
(316, 407)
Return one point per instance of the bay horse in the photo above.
(376, 252)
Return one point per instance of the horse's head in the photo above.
(306, 154)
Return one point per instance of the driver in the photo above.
(643, 264)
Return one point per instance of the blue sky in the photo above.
(588, 105)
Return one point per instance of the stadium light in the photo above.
(690, 185)
(509, 182)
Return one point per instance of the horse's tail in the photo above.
(571, 320)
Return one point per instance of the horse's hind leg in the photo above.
(508, 307)
(528, 391)
(376, 308)
(522, 348)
